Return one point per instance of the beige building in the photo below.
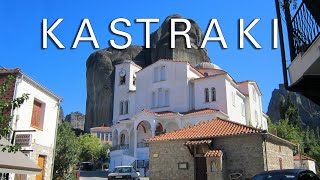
(104, 133)
(304, 162)
(217, 149)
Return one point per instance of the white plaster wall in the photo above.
(235, 110)
(255, 105)
(303, 61)
(22, 116)
(176, 83)
(306, 164)
(121, 92)
(217, 82)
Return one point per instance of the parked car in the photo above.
(292, 174)
(124, 172)
(86, 166)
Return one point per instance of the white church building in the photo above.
(169, 95)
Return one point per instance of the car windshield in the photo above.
(274, 176)
(122, 170)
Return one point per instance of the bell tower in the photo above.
(124, 90)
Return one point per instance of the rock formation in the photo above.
(76, 120)
(308, 111)
(100, 66)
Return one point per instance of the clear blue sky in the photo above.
(64, 71)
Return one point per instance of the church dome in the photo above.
(207, 65)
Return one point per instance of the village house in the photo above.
(103, 133)
(169, 95)
(304, 162)
(217, 149)
(34, 124)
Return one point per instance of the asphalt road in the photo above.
(98, 175)
(100, 178)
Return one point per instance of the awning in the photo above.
(16, 162)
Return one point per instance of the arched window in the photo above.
(167, 98)
(126, 107)
(254, 94)
(159, 129)
(121, 108)
(206, 94)
(213, 94)
(123, 139)
(154, 100)
(160, 97)
(163, 73)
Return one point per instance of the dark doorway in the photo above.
(201, 168)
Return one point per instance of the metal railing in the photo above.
(306, 27)
(142, 145)
(120, 147)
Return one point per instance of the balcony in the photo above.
(304, 43)
(120, 147)
(142, 145)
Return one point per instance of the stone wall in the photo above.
(275, 152)
(47, 152)
(241, 154)
(244, 154)
(165, 166)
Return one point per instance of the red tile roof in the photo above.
(101, 128)
(212, 128)
(206, 141)
(161, 113)
(297, 158)
(213, 153)
(192, 112)
(200, 111)
(9, 70)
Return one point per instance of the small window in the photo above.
(256, 115)
(206, 94)
(126, 107)
(98, 134)
(167, 98)
(213, 94)
(160, 97)
(37, 115)
(121, 108)
(134, 79)
(156, 74)
(233, 96)
(102, 136)
(163, 73)
(243, 109)
(254, 94)
(122, 79)
(206, 74)
(110, 136)
(154, 100)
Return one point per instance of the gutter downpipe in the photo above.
(265, 150)
(283, 54)
(55, 138)
(12, 111)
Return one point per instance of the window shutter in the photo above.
(36, 115)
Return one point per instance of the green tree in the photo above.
(90, 147)
(67, 152)
(5, 111)
(289, 111)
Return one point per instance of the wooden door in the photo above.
(201, 168)
(41, 160)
